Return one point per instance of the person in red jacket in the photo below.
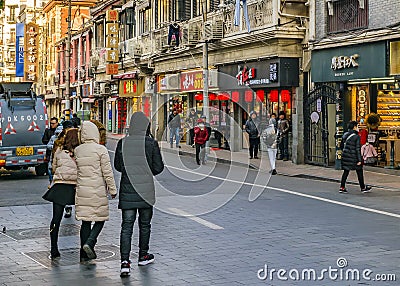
(200, 138)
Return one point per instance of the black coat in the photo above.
(138, 157)
(174, 121)
(252, 127)
(351, 154)
(47, 135)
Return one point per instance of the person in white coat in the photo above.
(270, 138)
(94, 183)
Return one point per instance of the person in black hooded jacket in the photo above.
(138, 158)
(351, 157)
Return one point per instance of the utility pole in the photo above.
(67, 64)
(206, 103)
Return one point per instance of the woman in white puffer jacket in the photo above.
(95, 181)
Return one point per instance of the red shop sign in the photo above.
(192, 81)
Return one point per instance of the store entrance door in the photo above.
(319, 126)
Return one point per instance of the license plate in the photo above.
(24, 151)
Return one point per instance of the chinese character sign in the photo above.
(112, 40)
(31, 52)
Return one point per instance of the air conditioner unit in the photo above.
(214, 30)
(172, 82)
(134, 48)
(94, 61)
(56, 79)
(190, 35)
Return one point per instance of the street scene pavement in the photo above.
(223, 223)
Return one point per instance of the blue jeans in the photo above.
(174, 131)
(128, 220)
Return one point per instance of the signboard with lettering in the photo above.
(31, 52)
(193, 80)
(112, 69)
(131, 87)
(351, 62)
(112, 39)
(19, 61)
(269, 73)
(112, 16)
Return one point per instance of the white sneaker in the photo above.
(125, 268)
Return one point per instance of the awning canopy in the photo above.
(88, 100)
(128, 75)
(111, 99)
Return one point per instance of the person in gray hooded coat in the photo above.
(138, 158)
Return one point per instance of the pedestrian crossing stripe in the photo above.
(10, 129)
(33, 127)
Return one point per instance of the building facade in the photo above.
(354, 71)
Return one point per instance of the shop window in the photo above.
(347, 15)
(395, 58)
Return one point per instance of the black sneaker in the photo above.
(274, 172)
(89, 251)
(146, 259)
(125, 268)
(256, 157)
(343, 191)
(68, 212)
(367, 189)
(55, 254)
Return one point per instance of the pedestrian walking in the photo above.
(191, 122)
(174, 124)
(200, 139)
(48, 133)
(270, 138)
(209, 130)
(351, 157)
(49, 149)
(62, 192)
(138, 158)
(273, 121)
(102, 131)
(76, 121)
(94, 183)
(252, 128)
(283, 133)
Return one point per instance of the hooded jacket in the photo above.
(95, 176)
(138, 158)
(351, 153)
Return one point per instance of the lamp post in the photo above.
(206, 111)
(67, 64)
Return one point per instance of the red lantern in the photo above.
(260, 95)
(285, 95)
(212, 96)
(223, 96)
(248, 95)
(273, 95)
(235, 96)
(198, 96)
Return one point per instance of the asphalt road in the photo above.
(294, 224)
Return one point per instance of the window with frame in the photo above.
(12, 14)
(100, 34)
(128, 24)
(145, 17)
(345, 15)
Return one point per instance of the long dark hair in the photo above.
(71, 139)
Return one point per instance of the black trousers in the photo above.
(90, 233)
(191, 136)
(200, 149)
(360, 177)
(253, 149)
(58, 211)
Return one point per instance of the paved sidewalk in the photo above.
(374, 176)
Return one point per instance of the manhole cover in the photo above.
(70, 256)
(40, 232)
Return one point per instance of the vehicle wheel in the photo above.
(41, 169)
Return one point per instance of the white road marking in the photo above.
(34, 260)
(8, 236)
(296, 194)
(195, 218)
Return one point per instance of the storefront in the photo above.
(263, 86)
(363, 86)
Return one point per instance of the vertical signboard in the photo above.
(31, 52)
(19, 61)
(112, 55)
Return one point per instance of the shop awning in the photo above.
(128, 75)
(88, 100)
(111, 99)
